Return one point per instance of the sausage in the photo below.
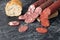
(36, 4)
(39, 2)
(51, 16)
(23, 17)
(54, 6)
(43, 6)
(31, 10)
(47, 12)
(38, 11)
(13, 23)
(23, 28)
(41, 30)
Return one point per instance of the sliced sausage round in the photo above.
(13, 23)
(22, 28)
(41, 30)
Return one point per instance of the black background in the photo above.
(11, 33)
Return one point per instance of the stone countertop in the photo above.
(11, 33)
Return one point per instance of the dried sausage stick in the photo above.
(47, 12)
(42, 7)
(38, 11)
(36, 4)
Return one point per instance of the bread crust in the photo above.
(13, 6)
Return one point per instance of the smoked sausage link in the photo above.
(36, 4)
(47, 12)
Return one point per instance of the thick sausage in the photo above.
(38, 11)
(47, 12)
(41, 7)
(46, 4)
(34, 5)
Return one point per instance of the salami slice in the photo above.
(23, 28)
(21, 17)
(29, 19)
(39, 9)
(13, 23)
(41, 30)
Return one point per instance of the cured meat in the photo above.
(47, 12)
(41, 30)
(46, 4)
(37, 11)
(22, 28)
(36, 4)
(42, 7)
(13, 23)
(51, 16)
(31, 10)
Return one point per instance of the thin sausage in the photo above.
(39, 9)
(32, 8)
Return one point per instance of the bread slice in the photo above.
(13, 8)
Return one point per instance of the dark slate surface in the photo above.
(11, 33)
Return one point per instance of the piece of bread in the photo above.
(13, 8)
